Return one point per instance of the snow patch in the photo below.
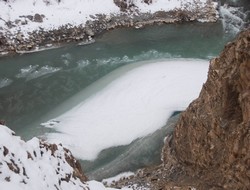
(30, 165)
(74, 12)
(163, 5)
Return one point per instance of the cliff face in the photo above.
(212, 137)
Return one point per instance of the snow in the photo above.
(134, 105)
(40, 171)
(74, 12)
(109, 181)
(168, 5)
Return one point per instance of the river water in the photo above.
(33, 84)
(37, 87)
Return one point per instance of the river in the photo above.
(37, 87)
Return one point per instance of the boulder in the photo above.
(148, 1)
(89, 31)
(124, 5)
(38, 18)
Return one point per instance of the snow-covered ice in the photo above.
(134, 105)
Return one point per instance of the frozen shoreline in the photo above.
(26, 30)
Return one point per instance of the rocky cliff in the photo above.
(210, 145)
(212, 137)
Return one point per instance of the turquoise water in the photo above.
(40, 81)
(33, 85)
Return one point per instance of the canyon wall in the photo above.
(212, 137)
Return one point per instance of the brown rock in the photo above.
(212, 137)
(75, 164)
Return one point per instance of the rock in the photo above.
(38, 18)
(3, 40)
(89, 31)
(10, 24)
(124, 5)
(36, 160)
(19, 37)
(131, 18)
(148, 1)
(212, 137)
(30, 17)
(17, 21)
(24, 22)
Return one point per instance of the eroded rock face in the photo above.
(212, 137)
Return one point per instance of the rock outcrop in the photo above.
(210, 145)
(212, 137)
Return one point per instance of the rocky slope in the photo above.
(212, 137)
(210, 146)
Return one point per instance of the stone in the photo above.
(89, 31)
(17, 21)
(212, 137)
(30, 17)
(148, 1)
(38, 18)
(19, 37)
(124, 5)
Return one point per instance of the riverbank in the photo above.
(15, 37)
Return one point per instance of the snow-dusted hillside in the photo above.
(30, 15)
(31, 25)
(36, 165)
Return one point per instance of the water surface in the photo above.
(34, 87)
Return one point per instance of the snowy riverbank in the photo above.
(38, 165)
(43, 24)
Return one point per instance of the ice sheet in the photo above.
(132, 106)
